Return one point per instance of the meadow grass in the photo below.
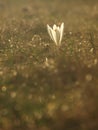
(43, 87)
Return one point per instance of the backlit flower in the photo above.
(56, 33)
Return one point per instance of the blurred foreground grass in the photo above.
(43, 87)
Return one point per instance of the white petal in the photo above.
(61, 32)
(58, 28)
(54, 27)
(54, 36)
(57, 35)
(50, 32)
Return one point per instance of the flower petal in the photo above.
(54, 36)
(54, 27)
(57, 35)
(50, 31)
(61, 32)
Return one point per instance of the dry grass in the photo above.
(43, 87)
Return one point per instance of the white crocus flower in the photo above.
(56, 33)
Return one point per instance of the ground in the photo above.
(43, 86)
